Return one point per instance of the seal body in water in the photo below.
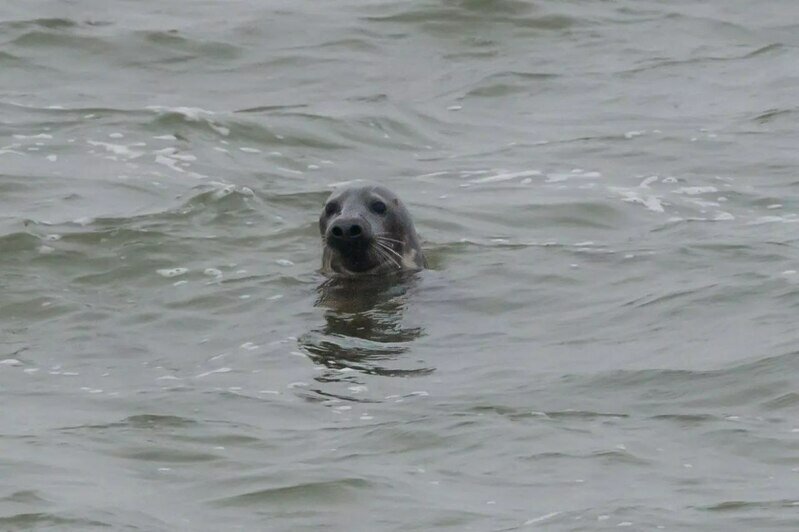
(368, 231)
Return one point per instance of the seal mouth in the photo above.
(356, 246)
(356, 256)
(370, 255)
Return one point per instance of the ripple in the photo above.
(26, 521)
(157, 421)
(41, 39)
(50, 23)
(302, 493)
(734, 506)
(164, 454)
(450, 15)
(206, 50)
(508, 83)
(16, 242)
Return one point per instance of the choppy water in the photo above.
(609, 197)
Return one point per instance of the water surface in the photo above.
(608, 195)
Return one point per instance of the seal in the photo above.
(368, 231)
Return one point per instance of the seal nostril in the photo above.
(337, 232)
(355, 230)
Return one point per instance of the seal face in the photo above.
(367, 230)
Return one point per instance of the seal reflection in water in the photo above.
(370, 251)
(364, 329)
(368, 231)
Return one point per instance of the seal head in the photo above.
(368, 230)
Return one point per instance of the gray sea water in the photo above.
(608, 194)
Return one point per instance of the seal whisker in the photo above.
(382, 251)
(381, 237)
(389, 244)
(385, 259)
(391, 259)
(388, 248)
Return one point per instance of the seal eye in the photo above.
(379, 207)
(331, 208)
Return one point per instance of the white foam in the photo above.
(651, 202)
(289, 170)
(344, 183)
(693, 191)
(284, 262)
(222, 130)
(52, 157)
(506, 176)
(39, 136)
(9, 149)
(116, 149)
(218, 370)
(10, 362)
(774, 219)
(169, 162)
(172, 272)
(576, 173)
(541, 518)
(704, 204)
(648, 181)
(194, 114)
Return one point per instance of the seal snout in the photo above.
(349, 231)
